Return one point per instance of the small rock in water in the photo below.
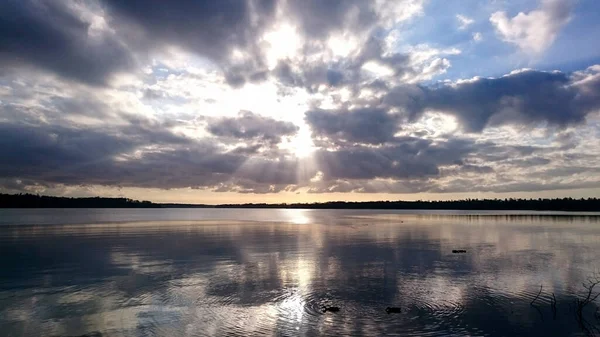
(457, 251)
(331, 309)
(394, 310)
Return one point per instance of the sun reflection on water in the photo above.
(274, 277)
(298, 216)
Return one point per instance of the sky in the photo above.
(233, 101)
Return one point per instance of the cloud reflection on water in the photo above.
(239, 278)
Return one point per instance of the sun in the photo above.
(303, 149)
(283, 43)
(301, 145)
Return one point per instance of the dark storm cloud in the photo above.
(47, 149)
(66, 38)
(367, 125)
(147, 155)
(212, 28)
(199, 166)
(59, 152)
(523, 97)
(346, 72)
(141, 154)
(405, 158)
(320, 18)
(248, 126)
(56, 35)
(366, 147)
(51, 35)
(30, 150)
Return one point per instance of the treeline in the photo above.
(509, 204)
(38, 201)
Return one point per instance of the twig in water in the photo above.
(581, 304)
(589, 298)
(553, 306)
(538, 295)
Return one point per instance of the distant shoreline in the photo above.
(509, 204)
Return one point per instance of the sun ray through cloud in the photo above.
(300, 98)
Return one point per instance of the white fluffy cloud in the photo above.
(464, 22)
(535, 31)
(282, 96)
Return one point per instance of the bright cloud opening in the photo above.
(283, 42)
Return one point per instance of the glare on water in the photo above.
(272, 272)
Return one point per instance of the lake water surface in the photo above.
(252, 272)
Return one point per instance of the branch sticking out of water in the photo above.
(553, 305)
(587, 327)
(590, 296)
(538, 295)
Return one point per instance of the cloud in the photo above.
(128, 158)
(371, 61)
(144, 94)
(531, 161)
(526, 96)
(90, 41)
(535, 31)
(42, 156)
(212, 28)
(60, 37)
(464, 22)
(402, 158)
(234, 34)
(52, 137)
(248, 126)
(371, 186)
(320, 19)
(366, 126)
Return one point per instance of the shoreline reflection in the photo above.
(273, 278)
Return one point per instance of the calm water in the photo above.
(181, 272)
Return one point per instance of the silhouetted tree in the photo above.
(508, 204)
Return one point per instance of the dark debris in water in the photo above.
(331, 309)
(458, 251)
(393, 310)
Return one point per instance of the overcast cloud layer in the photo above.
(299, 97)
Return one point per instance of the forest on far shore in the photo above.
(557, 204)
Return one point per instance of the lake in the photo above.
(270, 272)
